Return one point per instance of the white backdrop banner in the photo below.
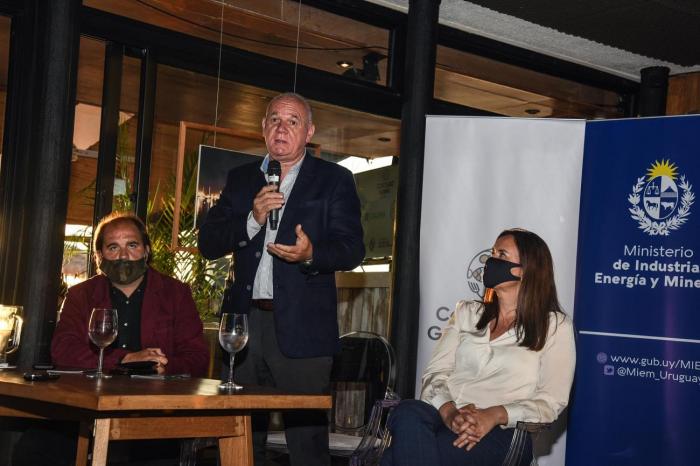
(482, 176)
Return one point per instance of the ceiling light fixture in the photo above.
(344, 64)
(369, 70)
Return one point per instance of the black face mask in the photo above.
(122, 271)
(497, 271)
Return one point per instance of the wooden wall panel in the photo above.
(81, 193)
(3, 99)
(683, 94)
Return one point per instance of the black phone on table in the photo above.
(40, 376)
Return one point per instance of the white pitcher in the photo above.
(10, 331)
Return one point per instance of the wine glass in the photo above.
(102, 331)
(233, 336)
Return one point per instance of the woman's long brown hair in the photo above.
(537, 297)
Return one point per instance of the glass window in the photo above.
(191, 97)
(83, 170)
(327, 41)
(486, 84)
(4, 59)
(86, 135)
(126, 136)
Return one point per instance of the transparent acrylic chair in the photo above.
(362, 381)
(517, 444)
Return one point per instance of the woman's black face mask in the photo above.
(497, 271)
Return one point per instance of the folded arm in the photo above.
(190, 351)
(71, 346)
(556, 374)
(442, 362)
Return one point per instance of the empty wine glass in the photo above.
(102, 330)
(233, 336)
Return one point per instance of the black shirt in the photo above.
(129, 315)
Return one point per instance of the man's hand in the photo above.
(301, 250)
(267, 199)
(479, 423)
(148, 354)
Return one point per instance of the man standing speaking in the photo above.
(285, 273)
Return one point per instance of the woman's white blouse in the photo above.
(466, 367)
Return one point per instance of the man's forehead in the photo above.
(113, 232)
(287, 106)
(291, 113)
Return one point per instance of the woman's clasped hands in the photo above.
(470, 423)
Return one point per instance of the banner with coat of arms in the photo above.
(636, 399)
(481, 176)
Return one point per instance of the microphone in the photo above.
(274, 173)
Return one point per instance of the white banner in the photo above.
(482, 176)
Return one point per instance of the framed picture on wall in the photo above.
(214, 165)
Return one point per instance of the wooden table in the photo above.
(121, 408)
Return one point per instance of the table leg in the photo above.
(238, 451)
(100, 442)
(83, 443)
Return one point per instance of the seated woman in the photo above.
(504, 360)
(157, 317)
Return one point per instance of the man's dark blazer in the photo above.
(324, 201)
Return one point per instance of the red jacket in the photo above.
(169, 321)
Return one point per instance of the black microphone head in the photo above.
(274, 168)
(274, 173)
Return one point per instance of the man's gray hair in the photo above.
(294, 96)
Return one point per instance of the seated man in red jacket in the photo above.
(158, 322)
(157, 317)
